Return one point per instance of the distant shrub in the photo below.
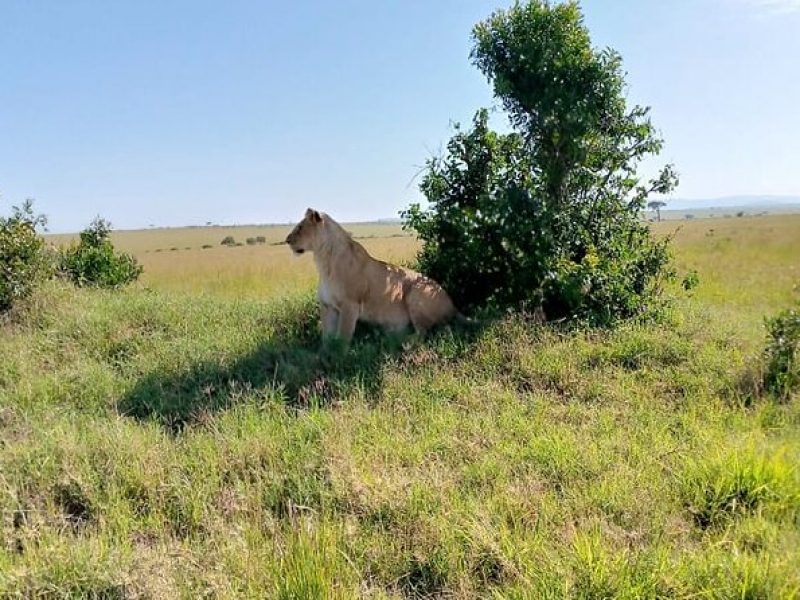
(24, 262)
(688, 217)
(228, 241)
(93, 261)
(740, 213)
(207, 246)
(173, 249)
(251, 241)
(260, 239)
(782, 373)
(237, 244)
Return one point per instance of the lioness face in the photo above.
(304, 234)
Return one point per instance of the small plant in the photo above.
(93, 261)
(782, 373)
(23, 260)
(691, 280)
(228, 241)
(251, 241)
(207, 246)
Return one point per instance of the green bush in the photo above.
(782, 373)
(228, 241)
(93, 260)
(24, 262)
(549, 215)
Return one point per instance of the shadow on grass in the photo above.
(290, 364)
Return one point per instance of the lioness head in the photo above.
(304, 235)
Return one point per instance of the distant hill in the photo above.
(729, 202)
(728, 206)
(704, 207)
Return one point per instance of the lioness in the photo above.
(353, 285)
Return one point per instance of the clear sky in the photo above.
(179, 112)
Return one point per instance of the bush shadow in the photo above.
(290, 365)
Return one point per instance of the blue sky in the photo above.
(181, 112)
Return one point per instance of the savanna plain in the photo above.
(184, 437)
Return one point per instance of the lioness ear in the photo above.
(313, 215)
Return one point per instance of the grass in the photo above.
(179, 440)
(191, 260)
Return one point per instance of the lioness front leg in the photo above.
(348, 315)
(330, 319)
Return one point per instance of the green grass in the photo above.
(161, 444)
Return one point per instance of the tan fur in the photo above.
(353, 285)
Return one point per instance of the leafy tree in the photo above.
(228, 241)
(24, 262)
(546, 216)
(656, 205)
(93, 260)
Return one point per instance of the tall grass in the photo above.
(155, 443)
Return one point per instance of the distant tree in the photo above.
(251, 241)
(689, 216)
(656, 205)
(547, 216)
(740, 213)
(228, 241)
(260, 239)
